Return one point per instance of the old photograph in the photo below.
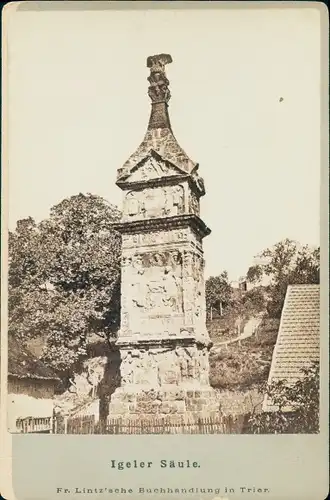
(163, 226)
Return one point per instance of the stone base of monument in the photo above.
(164, 382)
(165, 411)
(163, 401)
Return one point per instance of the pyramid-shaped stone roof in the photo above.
(163, 142)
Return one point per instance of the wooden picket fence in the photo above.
(153, 424)
(40, 425)
(175, 424)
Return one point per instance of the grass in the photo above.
(223, 328)
(242, 367)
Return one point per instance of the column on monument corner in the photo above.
(163, 340)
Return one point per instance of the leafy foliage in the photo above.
(238, 368)
(254, 274)
(218, 290)
(286, 263)
(64, 278)
(254, 301)
(298, 406)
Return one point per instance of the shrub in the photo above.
(297, 406)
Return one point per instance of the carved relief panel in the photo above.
(155, 237)
(159, 366)
(148, 203)
(151, 287)
(194, 289)
(152, 168)
(194, 205)
(161, 291)
(202, 360)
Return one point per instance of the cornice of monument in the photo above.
(161, 181)
(160, 223)
(159, 136)
(161, 341)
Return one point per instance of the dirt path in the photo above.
(249, 330)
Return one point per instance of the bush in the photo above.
(297, 406)
(238, 368)
(254, 301)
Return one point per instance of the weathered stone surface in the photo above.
(151, 202)
(165, 402)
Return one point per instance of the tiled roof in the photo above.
(298, 340)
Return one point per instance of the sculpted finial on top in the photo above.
(158, 61)
(158, 89)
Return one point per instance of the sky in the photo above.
(245, 105)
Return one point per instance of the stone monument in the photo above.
(163, 341)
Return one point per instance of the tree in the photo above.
(218, 291)
(254, 274)
(286, 263)
(27, 285)
(253, 301)
(64, 278)
(297, 406)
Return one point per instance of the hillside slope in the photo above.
(238, 370)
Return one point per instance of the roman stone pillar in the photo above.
(163, 341)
